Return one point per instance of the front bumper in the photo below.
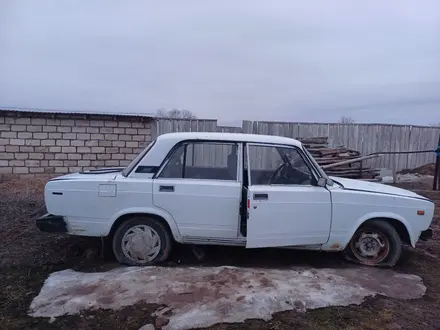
(426, 235)
(51, 224)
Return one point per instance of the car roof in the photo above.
(237, 137)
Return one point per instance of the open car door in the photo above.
(286, 207)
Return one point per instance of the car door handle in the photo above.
(261, 196)
(166, 188)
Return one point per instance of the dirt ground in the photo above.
(27, 257)
(427, 169)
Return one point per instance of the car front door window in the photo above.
(278, 165)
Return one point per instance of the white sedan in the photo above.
(247, 190)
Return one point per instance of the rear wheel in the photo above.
(376, 243)
(141, 241)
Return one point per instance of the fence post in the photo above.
(436, 184)
(154, 129)
(394, 168)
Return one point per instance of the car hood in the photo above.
(98, 174)
(380, 188)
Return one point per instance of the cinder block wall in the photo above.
(52, 144)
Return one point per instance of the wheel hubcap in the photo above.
(370, 247)
(141, 244)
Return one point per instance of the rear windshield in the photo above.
(138, 158)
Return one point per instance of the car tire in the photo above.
(375, 236)
(141, 241)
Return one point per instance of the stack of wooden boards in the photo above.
(324, 155)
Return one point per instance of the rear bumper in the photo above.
(426, 235)
(51, 224)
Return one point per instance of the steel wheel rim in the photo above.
(370, 246)
(141, 244)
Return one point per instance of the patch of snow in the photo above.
(409, 177)
(147, 327)
(387, 179)
(203, 296)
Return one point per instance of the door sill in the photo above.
(214, 241)
(314, 247)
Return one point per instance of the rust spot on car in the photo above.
(335, 246)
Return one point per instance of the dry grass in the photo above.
(28, 256)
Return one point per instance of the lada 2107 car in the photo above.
(247, 190)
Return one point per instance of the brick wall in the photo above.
(52, 144)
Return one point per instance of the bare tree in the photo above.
(347, 120)
(175, 114)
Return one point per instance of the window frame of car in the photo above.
(132, 167)
(319, 170)
(178, 145)
(314, 172)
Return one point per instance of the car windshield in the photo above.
(138, 158)
(316, 165)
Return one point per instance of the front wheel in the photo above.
(141, 241)
(376, 243)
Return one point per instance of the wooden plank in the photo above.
(325, 151)
(315, 140)
(349, 161)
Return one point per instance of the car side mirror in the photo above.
(322, 182)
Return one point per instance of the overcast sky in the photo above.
(376, 61)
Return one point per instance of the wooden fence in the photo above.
(365, 138)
